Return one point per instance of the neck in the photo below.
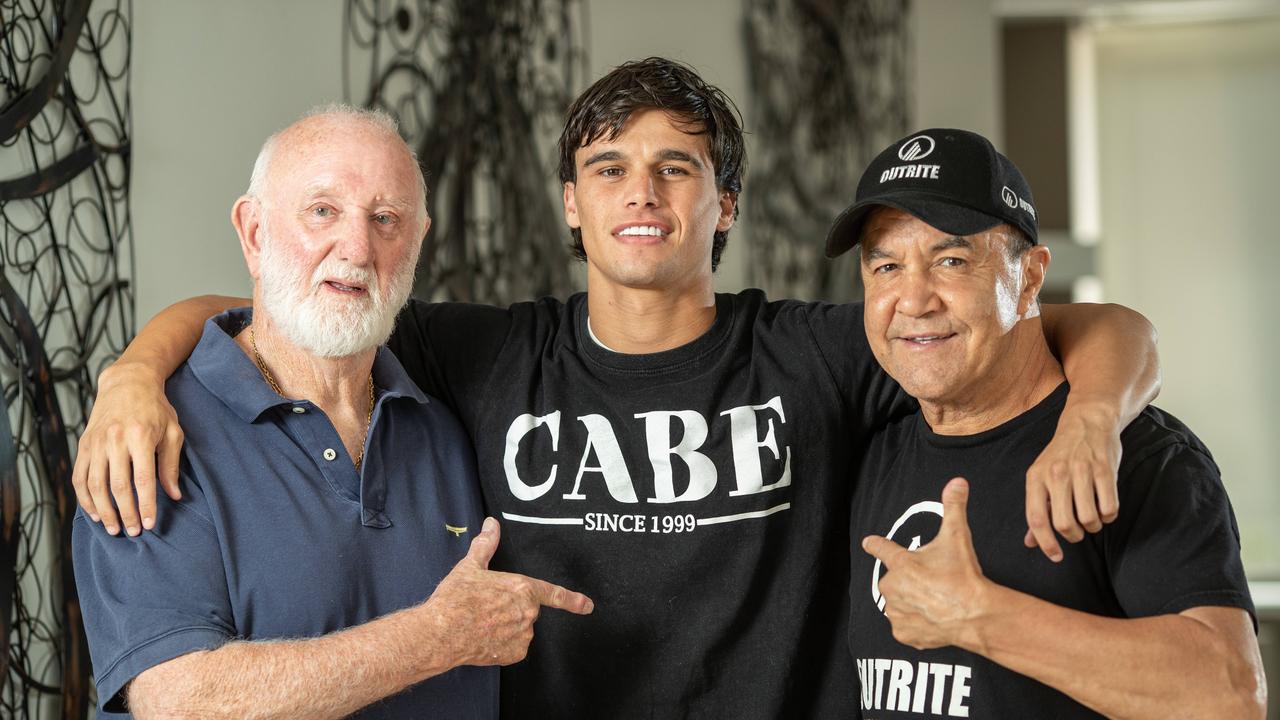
(643, 320)
(334, 384)
(1027, 374)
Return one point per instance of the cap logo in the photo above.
(1009, 197)
(917, 148)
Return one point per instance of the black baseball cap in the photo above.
(952, 179)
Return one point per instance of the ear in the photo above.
(571, 207)
(1035, 265)
(247, 220)
(728, 208)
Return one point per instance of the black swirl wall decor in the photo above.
(66, 310)
(480, 88)
(829, 89)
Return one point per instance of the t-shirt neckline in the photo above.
(666, 360)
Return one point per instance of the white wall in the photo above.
(1187, 128)
(211, 80)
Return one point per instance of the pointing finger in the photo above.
(553, 596)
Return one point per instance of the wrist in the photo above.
(123, 372)
(988, 605)
(1094, 411)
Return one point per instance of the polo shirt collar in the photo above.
(231, 376)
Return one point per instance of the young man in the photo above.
(685, 457)
(1150, 618)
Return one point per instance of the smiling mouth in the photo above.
(642, 233)
(923, 340)
(348, 289)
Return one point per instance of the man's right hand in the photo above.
(132, 435)
(486, 617)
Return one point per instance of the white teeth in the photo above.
(642, 230)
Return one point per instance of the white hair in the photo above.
(369, 117)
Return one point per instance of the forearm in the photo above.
(168, 339)
(325, 677)
(1108, 353)
(1157, 667)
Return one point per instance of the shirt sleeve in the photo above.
(873, 398)
(449, 349)
(150, 599)
(1176, 544)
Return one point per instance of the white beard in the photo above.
(329, 325)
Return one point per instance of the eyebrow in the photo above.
(664, 155)
(874, 254)
(319, 190)
(679, 156)
(955, 241)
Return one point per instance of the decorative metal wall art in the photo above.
(480, 88)
(829, 90)
(66, 310)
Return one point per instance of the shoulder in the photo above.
(1156, 433)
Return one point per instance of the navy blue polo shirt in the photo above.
(278, 536)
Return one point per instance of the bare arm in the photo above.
(1108, 353)
(475, 617)
(1202, 663)
(133, 431)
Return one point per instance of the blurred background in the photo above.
(128, 128)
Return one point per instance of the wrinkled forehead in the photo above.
(347, 156)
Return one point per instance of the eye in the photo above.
(385, 219)
(611, 172)
(952, 262)
(671, 170)
(322, 211)
(885, 268)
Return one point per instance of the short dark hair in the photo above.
(1016, 241)
(657, 83)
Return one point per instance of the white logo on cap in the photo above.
(917, 148)
(1009, 197)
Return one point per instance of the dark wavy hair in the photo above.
(662, 84)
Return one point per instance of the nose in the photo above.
(917, 295)
(641, 191)
(355, 242)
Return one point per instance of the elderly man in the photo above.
(1148, 618)
(324, 491)
(683, 456)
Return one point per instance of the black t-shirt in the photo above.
(1174, 546)
(699, 496)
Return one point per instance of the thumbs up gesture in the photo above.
(933, 594)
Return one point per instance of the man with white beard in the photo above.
(315, 565)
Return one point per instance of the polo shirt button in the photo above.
(330, 454)
(298, 409)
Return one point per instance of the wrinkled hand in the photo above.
(933, 593)
(486, 617)
(1071, 487)
(132, 433)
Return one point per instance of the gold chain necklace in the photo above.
(266, 374)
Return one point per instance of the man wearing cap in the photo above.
(1151, 617)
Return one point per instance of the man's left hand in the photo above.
(931, 594)
(1071, 487)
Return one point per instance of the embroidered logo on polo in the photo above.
(576, 460)
(457, 531)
